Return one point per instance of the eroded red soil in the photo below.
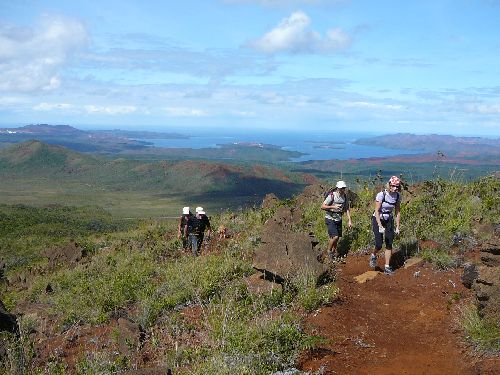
(400, 324)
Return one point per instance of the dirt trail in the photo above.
(400, 324)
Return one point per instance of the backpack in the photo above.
(328, 192)
(196, 225)
(383, 200)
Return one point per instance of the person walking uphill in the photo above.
(335, 204)
(183, 222)
(387, 207)
(195, 229)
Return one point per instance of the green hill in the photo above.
(39, 170)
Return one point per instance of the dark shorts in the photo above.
(388, 236)
(334, 228)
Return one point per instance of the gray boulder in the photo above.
(487, 283)
(284, 254)
(469, 274)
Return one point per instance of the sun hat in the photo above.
(341, 184)
(185, 211)
(199, 210)
(395, 181)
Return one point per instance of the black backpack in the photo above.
(196, 225)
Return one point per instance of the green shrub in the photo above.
(309, 296)
(441, 259)
(483, 334)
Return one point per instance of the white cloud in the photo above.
(7, 101)
(286, 2)
(483, 109)
(244, 113)
(110, 110)
(89, 108)
(294, 36)
(52, 106)
(31, 58)
(371, 105)
(185, 112)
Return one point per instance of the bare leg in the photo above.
(388, 254)
(332, 246)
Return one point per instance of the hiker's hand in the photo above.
(396, 230)
(381, 229)
(349, 224)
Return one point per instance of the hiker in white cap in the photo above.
(196, 229)
(181, 230)
(335, 204)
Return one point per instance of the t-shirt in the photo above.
(340, 204)
(198, 223)
(388, 203)
(184, 220)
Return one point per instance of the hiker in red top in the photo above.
(335, 204)
(385, 216)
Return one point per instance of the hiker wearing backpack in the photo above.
(335, 204)
(183, 222)
(196, 227)
(385, 221)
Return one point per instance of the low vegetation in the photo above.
(197, 314)
(483, 334)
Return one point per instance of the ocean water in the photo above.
(315, 145)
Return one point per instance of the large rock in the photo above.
(69, 255)
(487, 288)
(270, 201)
(487, 282)
(284, 254)
(130, 336)
(8, 322)
(469, 274)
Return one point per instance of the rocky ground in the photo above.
(401, 324)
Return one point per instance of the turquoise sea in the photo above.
(315, 145)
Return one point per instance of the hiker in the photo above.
(183, 222)
(196, 229)
(387, 207)
(335, 204)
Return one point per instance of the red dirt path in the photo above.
(400, 324)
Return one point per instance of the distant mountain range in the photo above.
(35, 159)
(446, 144)
(129, 144)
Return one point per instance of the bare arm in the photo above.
(378, 205)
(349, 222)
(398, 214)
(179, 228)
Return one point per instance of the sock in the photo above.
(387, 266)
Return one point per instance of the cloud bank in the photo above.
(293, 35)
(31, 59)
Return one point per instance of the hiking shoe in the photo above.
(388, 271)
(373, 261)
(341, 259)
(331, 256)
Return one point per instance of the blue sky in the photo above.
(378, 66)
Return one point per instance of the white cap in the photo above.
(185, 211)
(341, 184)
(199, 210)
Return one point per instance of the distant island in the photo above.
(432, 143)
(133, 144)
